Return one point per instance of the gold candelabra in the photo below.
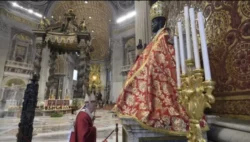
(195, 95)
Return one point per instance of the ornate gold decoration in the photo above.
(63, 35)
(195, 95)
(244, 9)
(100, 14)
(16, 82)
(232, 107)
(67, 97)
(44, 24)
(52, 97)
(228, 51)
(234, 97)
(158, 9)
(23, 37)
(217, 26)
(95, 76)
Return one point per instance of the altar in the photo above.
(56, 104)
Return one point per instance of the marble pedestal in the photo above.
(133, 132)
(228, 129)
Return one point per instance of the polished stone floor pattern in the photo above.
(58, 129)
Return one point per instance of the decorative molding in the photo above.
(224, 94)
(95, 70)
(11, 76)
(12, 16)
(124, 29)
(235, 97)
(17, 75)
(231, 107)
(242, 117)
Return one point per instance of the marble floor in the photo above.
(58, 129)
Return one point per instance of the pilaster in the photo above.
(142, 23)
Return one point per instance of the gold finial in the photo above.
(158, 9)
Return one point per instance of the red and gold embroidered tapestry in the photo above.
(149, 95)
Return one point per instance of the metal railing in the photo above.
(116, 134)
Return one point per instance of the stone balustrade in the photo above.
(21, 68)
(22, 65)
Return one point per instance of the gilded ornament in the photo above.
(195, 95)
(158, 9)
(217, 26)
(95, 70)
(244, 9)
(99, 22)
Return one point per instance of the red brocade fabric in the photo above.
(150, 92)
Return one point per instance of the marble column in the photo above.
(83, 69)
(52, 80)
(37, 63)
(117, 78)
(142, 23)
(103, 78)
(4, 46)
(43, 74)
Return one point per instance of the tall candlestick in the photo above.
(206, 64)
(194, 37)
(187, 29)
(183, 65)
(178, 74)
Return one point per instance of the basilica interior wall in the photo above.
(120, 33)
(17, 54)
(227, 29)
(17, 43)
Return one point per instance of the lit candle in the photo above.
(187, 29)
(183, 65)
(177, 62)
(194, 37)
(206, 64)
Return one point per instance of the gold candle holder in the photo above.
(195, 95)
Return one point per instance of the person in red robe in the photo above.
(150, 92)
(84, 130)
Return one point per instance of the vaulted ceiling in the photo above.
(97, 14)
(102, 14)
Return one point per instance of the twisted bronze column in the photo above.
(52, 80)
(83, 69)
(28, 111)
